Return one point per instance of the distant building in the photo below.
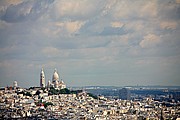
(15, 84)
(62, 85)
(55, 81)
(42, 78)
(49, 84)
(124, 94)
(55, 78)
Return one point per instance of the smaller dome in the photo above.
(61, 82)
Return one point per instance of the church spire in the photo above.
(42, 78)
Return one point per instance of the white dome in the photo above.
(55, 75)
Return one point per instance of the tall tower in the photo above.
(15, 85)
(42, 78)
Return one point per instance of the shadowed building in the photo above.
(124, 94)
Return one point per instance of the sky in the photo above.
(90, 42)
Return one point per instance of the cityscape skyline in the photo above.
(90, 42)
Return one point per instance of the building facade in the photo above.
(56, 83)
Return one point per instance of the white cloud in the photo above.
(76, 9)
(150, 40)
(168, 25)
(72, 27)
(130, 9)
(121, 9)
(136, 25)
(117, 24)
(149, 8)
(68, 26)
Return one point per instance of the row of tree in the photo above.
(54, 91)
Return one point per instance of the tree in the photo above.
(53, 91)
(93, 96)
(65, 91)
(37, 92)
(47, 104)
(28, 94)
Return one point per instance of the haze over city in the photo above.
(90, 42)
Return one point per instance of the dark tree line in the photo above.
(54, 91)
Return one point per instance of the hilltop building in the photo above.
(56, 83)
(55, 78)
(42, 78)
(15, 84)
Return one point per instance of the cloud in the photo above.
(23, 11)
(131, 9)
(3, 24)
(168, 25)
(6, 3)
(71, 27)
(15, 13)
(149, 9)
(76, 9)
(169, 10)
(117, 24)
(150, 40)
(102, 40)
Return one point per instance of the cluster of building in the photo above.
(26, 103)
(37, 103)
(55, 81)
